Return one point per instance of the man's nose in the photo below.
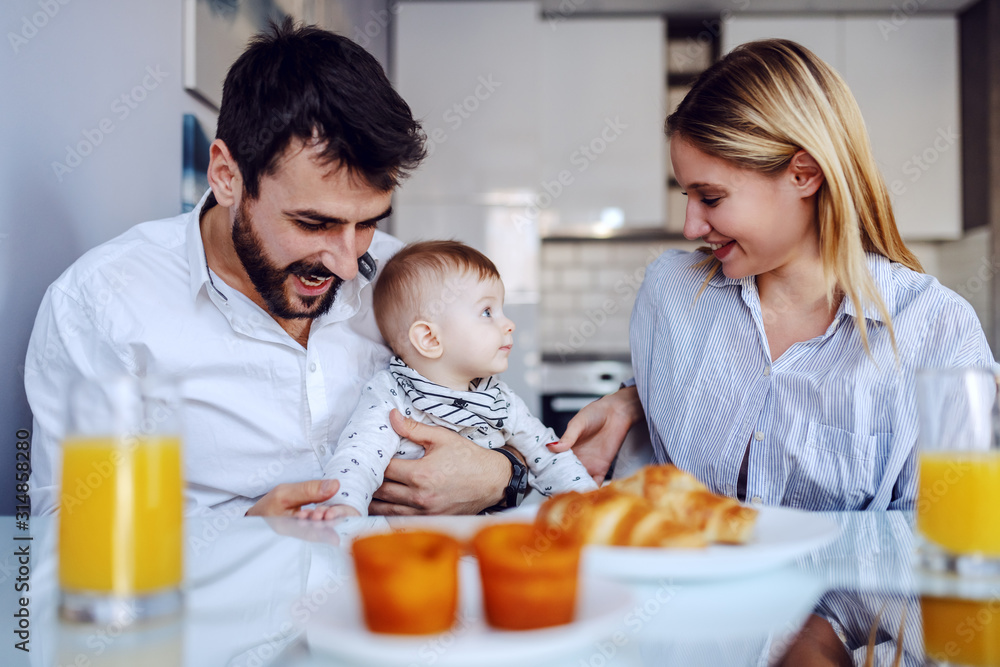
(695, 226)
(340, 253)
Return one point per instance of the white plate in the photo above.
(781, 535)
(337, 629)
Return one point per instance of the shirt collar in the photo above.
(879, 267)
(197, 259)
(482, 406)
(719, 279)
(348, 301)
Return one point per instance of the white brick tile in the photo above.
(549, 280)
(597, 253)
(608, 278)
(592, 300)
(560, 254)
(576, 279)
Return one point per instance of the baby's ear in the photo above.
(424, 339)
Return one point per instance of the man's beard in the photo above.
(269, 280)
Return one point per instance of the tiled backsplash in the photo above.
(966, 265)
(588, 288)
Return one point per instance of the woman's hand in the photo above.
(596, 432)
(288, 499)
(455, 475)
(816, 645)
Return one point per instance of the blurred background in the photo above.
(544, 121)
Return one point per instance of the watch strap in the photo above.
(517, 487)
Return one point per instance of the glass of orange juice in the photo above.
(961, 630)
(120, 516)
(958, 499)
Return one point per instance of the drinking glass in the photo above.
(958, 501)
(960, 631)
(120, 517)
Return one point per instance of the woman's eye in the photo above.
(707, 201)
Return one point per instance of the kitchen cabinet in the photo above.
(559, 119)
(603, 105)
(905, 77)
(469, 72)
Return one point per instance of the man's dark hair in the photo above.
(304, 82)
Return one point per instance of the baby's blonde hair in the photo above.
(765, 101)
(413, 285)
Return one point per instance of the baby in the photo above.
(439, 305)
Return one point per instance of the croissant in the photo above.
(685, 499)
(659, 506)
(607, 516)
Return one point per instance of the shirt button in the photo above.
(756, 500)
(759, 435)
(767, 371)
(312, 367)
(322, 450)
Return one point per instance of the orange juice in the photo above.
(120, 518)
(965, 632)
(958, 502)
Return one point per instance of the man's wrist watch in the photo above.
(517, 487)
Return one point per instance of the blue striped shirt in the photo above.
(829, 428)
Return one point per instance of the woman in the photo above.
(752, 363)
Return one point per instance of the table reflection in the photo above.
(253, 586)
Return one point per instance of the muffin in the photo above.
(408, 581)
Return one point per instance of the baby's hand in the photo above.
(327, 512)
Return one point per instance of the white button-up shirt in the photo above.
(258, 408)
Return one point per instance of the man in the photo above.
(259, 301)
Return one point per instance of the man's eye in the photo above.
(371, 224)
(710, 201)
(311, 227)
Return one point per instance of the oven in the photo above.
(569, 386)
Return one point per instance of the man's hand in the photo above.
(596, 432)
(287, 499)
(455, 476)
(327, 512)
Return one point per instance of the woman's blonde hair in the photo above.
(765, 101)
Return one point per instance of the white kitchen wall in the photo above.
(906, 83)
(64, 87)
(103, 79)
